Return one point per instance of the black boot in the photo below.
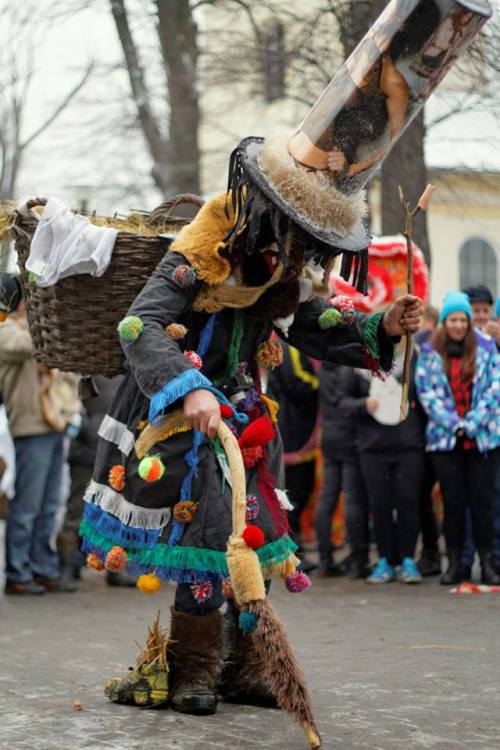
(241, 666)
(195, 662)
(488, 573)
(430, 562)
(454, 571)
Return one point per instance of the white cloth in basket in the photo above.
(67, 244)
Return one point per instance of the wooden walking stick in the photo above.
(409, 214)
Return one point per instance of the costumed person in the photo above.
(294, 385)
(458, 377)
(160, 501)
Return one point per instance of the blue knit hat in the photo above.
(497, 308)
(455, 302)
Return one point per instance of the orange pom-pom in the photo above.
(116, 559)
(184, 511)
(149, 584)
(151, 468)
(116, 477)
(253, 536)
(93, 561)
(269, 354)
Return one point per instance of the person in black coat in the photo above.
(341, 471)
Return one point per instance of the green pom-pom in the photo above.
(31, 279)
(248, 621)
(329, 318)
(151, 468)
(130, 328)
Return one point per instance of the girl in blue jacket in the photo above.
(458, 384)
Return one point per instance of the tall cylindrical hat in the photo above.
(314, 181)
(383, 85)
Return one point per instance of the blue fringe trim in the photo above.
(191, 459)
(187, 381)
(123, 536)
(206, 336)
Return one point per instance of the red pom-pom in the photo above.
(195, 359)
(342, 302)
(116, 559)
(259, 432)
(297, 582)
(253, 536)
(226, 412)
(252, 456)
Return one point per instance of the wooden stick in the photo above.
(409, 214)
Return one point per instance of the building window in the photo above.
(478, 264)
(274, 61)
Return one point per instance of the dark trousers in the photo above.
(347, 476)
(467, 479)
(393, 483)
(68, 539)
(428, 523)
(185, 602)
(299, 482)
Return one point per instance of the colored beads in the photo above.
(93, 561)
(184, 276)
(253, 508)
(202, 592)
(176, 331)
(195, 359)
(269, 354)
(151, 468)
(184, 511)
(116, 559)
(329, 318)
(130, 328)
(248, 621)
(297, 582)
(149, 584)
(253, 536)
(116, 477)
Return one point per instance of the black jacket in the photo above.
(338, 434)
(370, 435)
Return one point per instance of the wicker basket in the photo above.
(73, 323)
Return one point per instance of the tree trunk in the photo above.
(405, 166)
(178, 39)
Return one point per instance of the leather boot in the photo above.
(194, 656)
(488, 572)
(454, 571)
(241, 666)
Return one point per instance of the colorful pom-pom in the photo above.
(253, 508)
(329, 318)
(149, 584)
(130, 328)
(184, 511)
(184, 276)
(31, 279)
(253, 536)
(269, 354)
(226, 411)
(248, 621)
(116, 559)
(202, 592)
(342, 302)
(297, 582)
(116, 477)
(176, 331)
(227, 588)
(93, 561)
(151, 468)
(195, 359)
(251, 456)
(348, 317)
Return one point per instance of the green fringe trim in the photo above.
(190, 558)
(233, 353)
(370, 335)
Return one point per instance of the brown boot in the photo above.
(195, 662)
(241, 666)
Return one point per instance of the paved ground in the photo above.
(389, 668)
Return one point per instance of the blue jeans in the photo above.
(32, 511)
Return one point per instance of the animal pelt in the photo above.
(194, 649)
(310, 194)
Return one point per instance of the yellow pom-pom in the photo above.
(116, 559)
(93, 561)
(151, 468)
(130, 328)
(269, 354)
(149, 584)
